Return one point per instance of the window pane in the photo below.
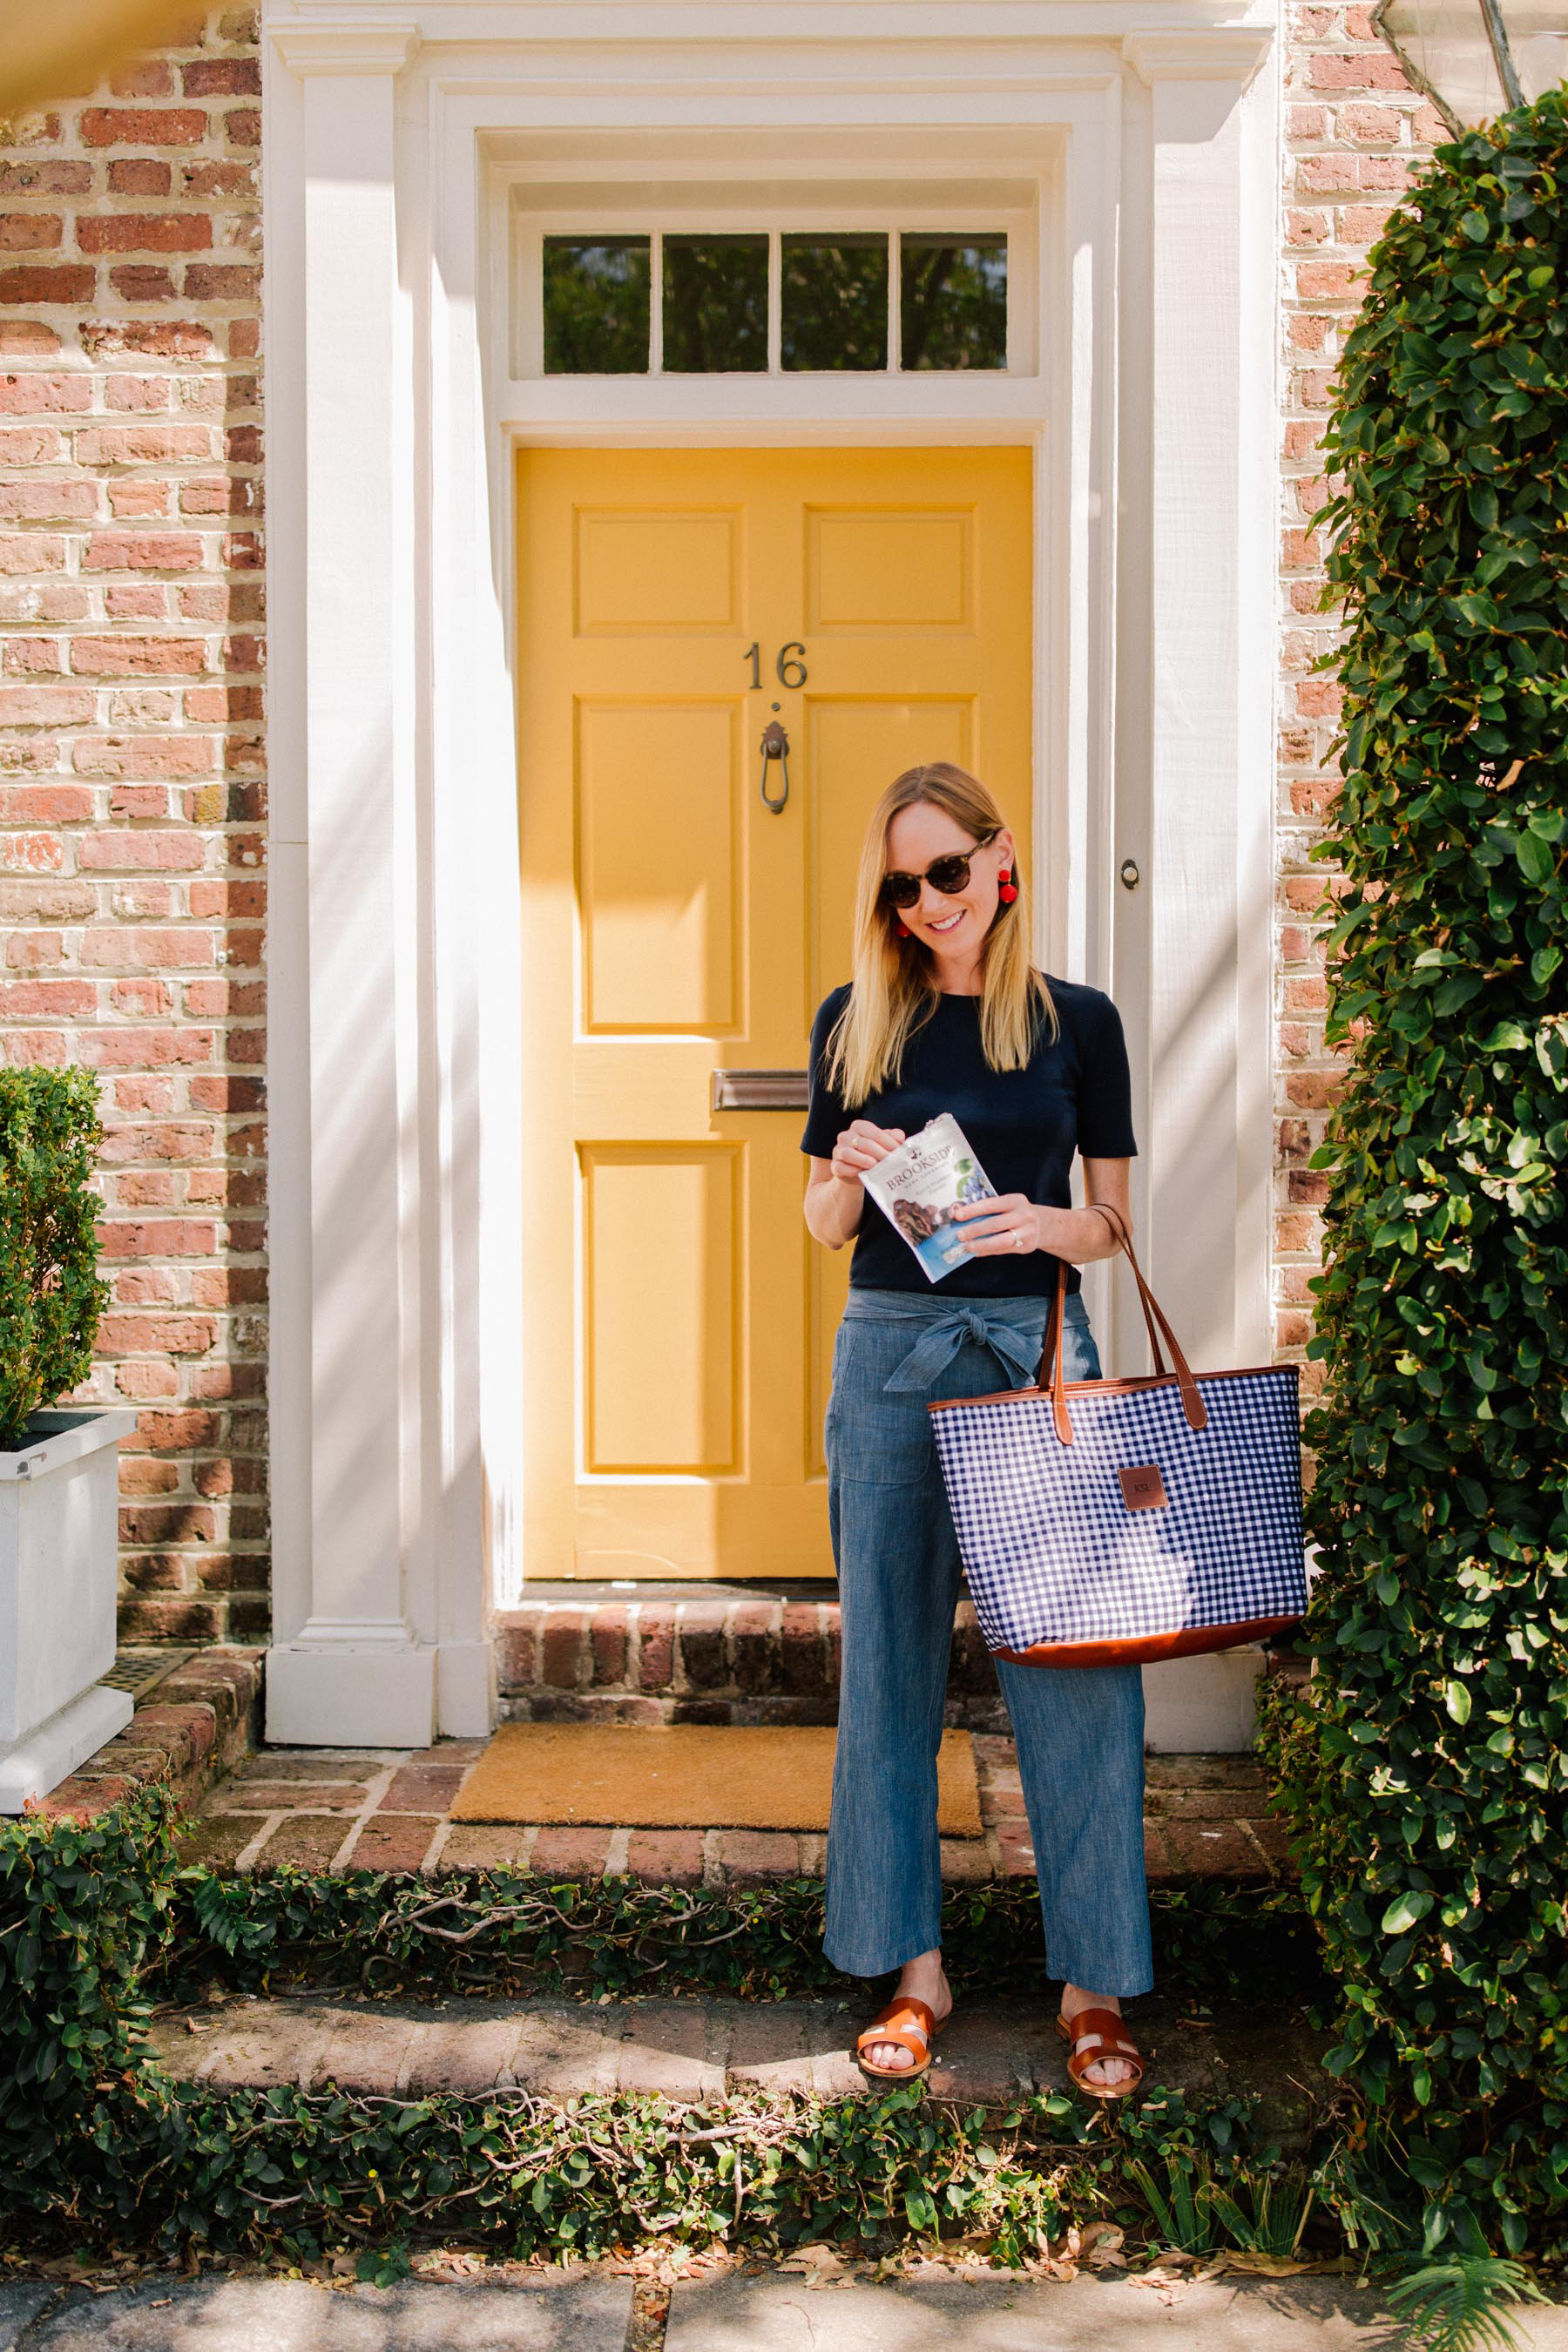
(597, 305)
(715, 304)
(952, 294)
(834, 299)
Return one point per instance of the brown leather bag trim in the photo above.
(1138, 1381)
(1149, 1649)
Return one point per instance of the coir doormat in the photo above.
(684, 1776)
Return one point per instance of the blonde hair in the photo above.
(894, 990)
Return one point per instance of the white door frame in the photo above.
(395, 143)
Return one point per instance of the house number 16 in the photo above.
(789, 668)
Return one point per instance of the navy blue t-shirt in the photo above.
(1024, 1126)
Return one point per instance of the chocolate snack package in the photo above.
(921, 1184)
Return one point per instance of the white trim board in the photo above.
(396, 149)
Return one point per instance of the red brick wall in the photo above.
(131, 768)
(1353, 133)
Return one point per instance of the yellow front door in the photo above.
(877, 604)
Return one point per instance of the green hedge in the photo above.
(1425, 1771)
(50, 1294)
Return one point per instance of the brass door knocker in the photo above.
(775, 746)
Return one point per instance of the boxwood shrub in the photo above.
(50, 1294)
(1423, 1773)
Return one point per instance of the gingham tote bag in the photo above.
(1118, 1522)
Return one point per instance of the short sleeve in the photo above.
(826, 1117)
(1105, 1088)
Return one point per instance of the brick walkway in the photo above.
(331, 1808)
(708, 2049)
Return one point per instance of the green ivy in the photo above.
(100, 2151)
(84, 1909)
(1424, 1771)
(499, 1932)
(299, 2173)
(97, 2148)
(50, 1295)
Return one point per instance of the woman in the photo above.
(946, 1012)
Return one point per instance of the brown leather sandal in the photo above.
(1095, 2034)
(911, 2025)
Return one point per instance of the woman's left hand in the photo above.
(1007, 1224)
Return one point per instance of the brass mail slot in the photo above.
(759, 1089)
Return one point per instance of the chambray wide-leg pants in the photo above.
(1080, 1730)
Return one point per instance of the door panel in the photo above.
(883, 570)
(660, 1225)
(680, 1317)
(660, 925)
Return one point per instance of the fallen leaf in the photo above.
(821, 2264)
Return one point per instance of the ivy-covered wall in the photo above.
(1354, 133)
(1425, 1768)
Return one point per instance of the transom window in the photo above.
(771, 302)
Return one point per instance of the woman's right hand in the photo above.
(860, 1147)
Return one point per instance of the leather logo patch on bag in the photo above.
(1142, 1488)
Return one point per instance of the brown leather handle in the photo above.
(1144, 1296)
(1059, 1303)
(1058, 1316)
(1051, 1354)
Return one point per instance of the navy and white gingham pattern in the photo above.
(1052, 1552)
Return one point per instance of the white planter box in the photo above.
(60, 1509)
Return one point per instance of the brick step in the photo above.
(389, 1809)
(709, 2048)
(709, 1654)
(197, 1716)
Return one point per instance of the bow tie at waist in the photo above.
(1017, 1349)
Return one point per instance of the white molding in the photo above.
(1212, 505)
(345, 48)
(347, 1694)
(501, 31)
(1203, 1706)
(1220, 53)
(345, 837)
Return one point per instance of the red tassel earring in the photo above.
(1008, 889)
(903, 930)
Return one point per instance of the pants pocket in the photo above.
(870, 1437)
